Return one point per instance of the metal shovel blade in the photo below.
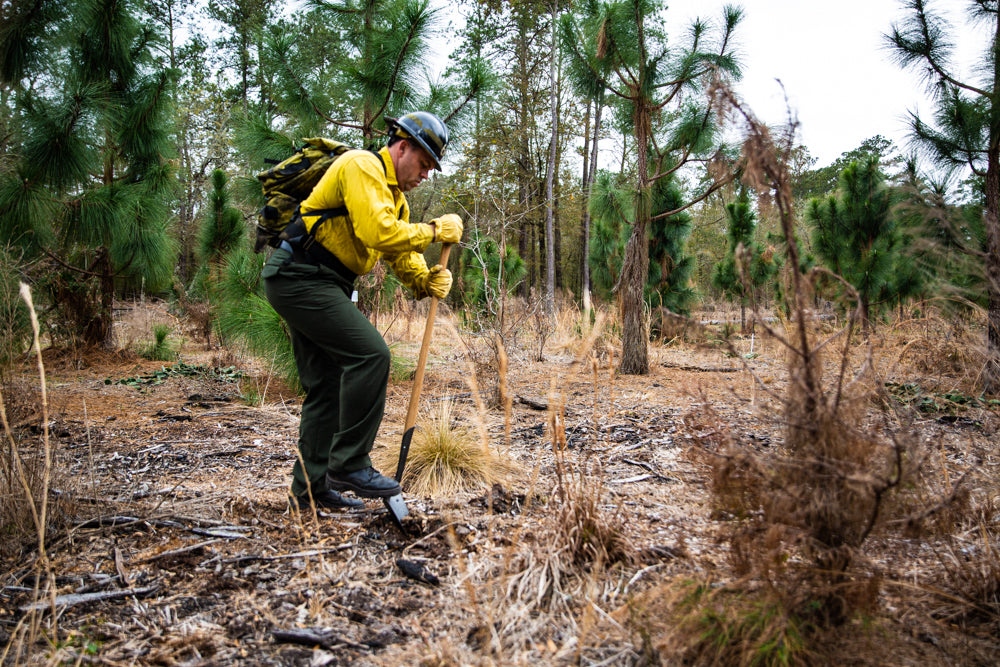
(395, 504)
(397, 508)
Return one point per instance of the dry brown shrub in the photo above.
(803, 512)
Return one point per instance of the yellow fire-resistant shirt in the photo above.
(378, 218)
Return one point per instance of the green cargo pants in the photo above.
(343, 365)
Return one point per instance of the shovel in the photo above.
(395, 504)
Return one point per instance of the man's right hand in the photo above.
(448, 228)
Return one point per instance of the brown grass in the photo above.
(446, 458)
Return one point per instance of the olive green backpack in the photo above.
(290, 181)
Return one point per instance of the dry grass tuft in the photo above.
(971, 579)
(949, 349)
(581, 530)
(21, 467)
(446, 459)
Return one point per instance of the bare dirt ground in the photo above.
(170, 487)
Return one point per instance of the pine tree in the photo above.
(854, 234)
(668, 284)
(965, 131)
(651, 77)
(747, 267)
(89, 189)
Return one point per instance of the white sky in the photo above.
(831, 59)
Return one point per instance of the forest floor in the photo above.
(175, 545)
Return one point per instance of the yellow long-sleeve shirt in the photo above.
(377, 223)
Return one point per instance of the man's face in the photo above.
(414, 165)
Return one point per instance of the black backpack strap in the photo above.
(379, 156)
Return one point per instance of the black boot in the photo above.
(330, 500)
(367, 482)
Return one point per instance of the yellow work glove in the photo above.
(437, 282)
(448, 228)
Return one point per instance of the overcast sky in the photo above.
(830, 56)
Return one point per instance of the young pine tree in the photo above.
(854, 235)
(668, 284)
(747, 268)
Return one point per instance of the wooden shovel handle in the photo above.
(418, 376)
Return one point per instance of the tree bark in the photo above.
(991, 373)
(635, 268)
(550, 246)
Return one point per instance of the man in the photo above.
(357, 214)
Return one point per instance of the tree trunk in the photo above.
(635, 268)
(991, 373)
(588, 182)
(550, 246)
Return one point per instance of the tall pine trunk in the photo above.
(550, 246)
(635, 268)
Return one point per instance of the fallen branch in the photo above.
(648, 467)
(324, 640)
(175, 552)
(74, 599)
(631, 480)
(299, 554)
(703, 369)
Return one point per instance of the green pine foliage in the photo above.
(944, 241)
(748, 268)
(484, 277)
(245, 318)
(670, 266)
(223, 228)
(854, 234)
(90, 178)
(668, 282)
(610, 210)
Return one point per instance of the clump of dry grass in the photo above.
(970, 578)
(446, 459)
(949, 350)
(21, 469)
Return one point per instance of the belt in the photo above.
(316, 254)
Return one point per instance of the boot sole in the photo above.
(362, 491)
(327, 506)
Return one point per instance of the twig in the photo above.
(313, 638)
(175, 552)
(75, 599)
(299, 554)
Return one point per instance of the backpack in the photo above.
(290, 181)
